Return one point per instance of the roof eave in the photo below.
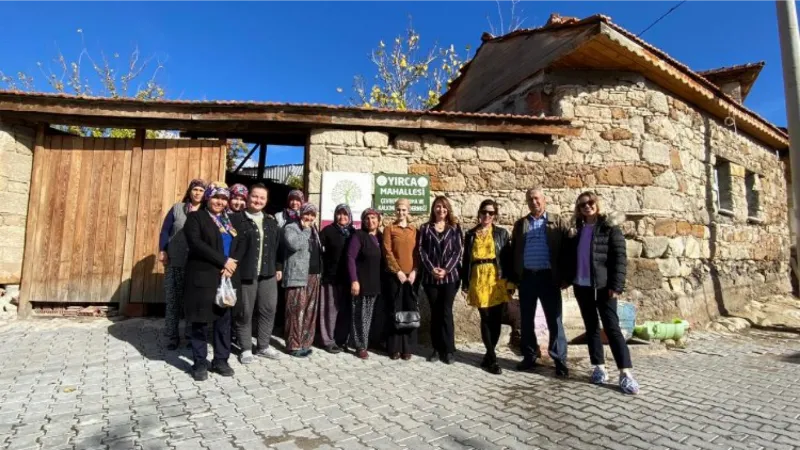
(243, 116)
(707, 95)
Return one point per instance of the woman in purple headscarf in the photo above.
(215, 249)
(301, 275)
(334, 322)
(172, 254)
(238, 201)
(364, 264)
(292, 213)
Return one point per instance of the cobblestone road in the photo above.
(71, 385)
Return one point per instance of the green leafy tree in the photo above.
(294, 181)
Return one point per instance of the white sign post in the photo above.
(352, 188)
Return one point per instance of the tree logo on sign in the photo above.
(346, 191)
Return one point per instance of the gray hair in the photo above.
(529, 194)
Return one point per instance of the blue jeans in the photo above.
(539, 285)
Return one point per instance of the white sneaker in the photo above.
(268, 352)
(246, 357)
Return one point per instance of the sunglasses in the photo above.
(488, 213)
(589, 203)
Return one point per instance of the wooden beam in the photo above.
(241, 164)
(28, 259)
(262, 160)
(234, 118)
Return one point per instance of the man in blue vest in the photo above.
(539, 243)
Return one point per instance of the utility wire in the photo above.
(659, 19)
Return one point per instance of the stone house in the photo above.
(700, 176)
(587, 105)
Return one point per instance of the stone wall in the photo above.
(16, 162)
(645, 153)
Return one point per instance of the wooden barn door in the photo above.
(164, 169)
(95, 213)
(77, 220)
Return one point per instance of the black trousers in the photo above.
(222, 340)
(441, 297)
(399, 341)
(491, 321)
(591, 302)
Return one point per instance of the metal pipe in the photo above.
(790, 59)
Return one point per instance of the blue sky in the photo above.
(303, 51)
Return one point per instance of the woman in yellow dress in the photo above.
(487, 255)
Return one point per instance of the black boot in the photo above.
(527, 363)
(222, 368)
(561, 369)
(200, 372)
(433, 356)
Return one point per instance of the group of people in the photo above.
(331, 278)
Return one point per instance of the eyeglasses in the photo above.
(488, 213)
(589, 203)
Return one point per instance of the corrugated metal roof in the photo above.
(282, 173)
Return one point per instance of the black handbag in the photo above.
(407, 320)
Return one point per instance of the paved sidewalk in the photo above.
(97, 384)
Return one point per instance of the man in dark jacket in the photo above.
(538, 243)
(260, 270)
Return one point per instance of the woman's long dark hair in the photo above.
(451, 218)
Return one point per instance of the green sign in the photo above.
(389, 187)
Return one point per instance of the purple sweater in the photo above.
(583, 276)
(353, 248)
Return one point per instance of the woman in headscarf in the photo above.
(238, 201)
(399, 240)
(214, 252)
(301, 276)
(364, 257)
(173, 252)
(291, 214)
(335, 292)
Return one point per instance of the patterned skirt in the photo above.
(301, 314)
(363, 307)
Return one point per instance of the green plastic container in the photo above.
(660, 331)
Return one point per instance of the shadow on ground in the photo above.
(147, 337)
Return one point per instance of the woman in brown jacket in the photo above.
(399, 240)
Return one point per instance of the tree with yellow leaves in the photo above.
(407, 77)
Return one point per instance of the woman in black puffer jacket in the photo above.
(600, 266)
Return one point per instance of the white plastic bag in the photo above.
(226, 294)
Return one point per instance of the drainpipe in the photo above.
(790, 59)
